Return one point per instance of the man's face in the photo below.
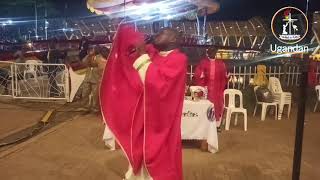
(211, 53)
(164, 39)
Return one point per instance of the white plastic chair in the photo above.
(264, 106)
(282, 98)
(31, 68)
(231, 108)
(317, 88)
(60, 79)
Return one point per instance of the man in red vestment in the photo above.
(141, 99)
(312, 74)
(212, 73)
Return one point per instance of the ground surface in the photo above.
(13, 118)
(74, 150)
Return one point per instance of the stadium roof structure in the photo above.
(254, 33)
(251, 34)
(153, 9)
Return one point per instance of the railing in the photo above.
(51, 81)
(5, 78)
(34, 80)
(241, 77)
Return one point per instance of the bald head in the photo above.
(167, 39)
(171, 32)
(211, 52)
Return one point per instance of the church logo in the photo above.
(289, 25)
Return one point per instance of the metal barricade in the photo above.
(35, 80)
(6, 78)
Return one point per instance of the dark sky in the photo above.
(230, 9)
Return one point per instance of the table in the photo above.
(195, 125)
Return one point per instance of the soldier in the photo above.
(95, 62)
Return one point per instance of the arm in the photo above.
(199, 75)
(164, 71)
(141, 65)
(87, 60)
(101, 64)
(167, 75)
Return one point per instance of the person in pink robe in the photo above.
(212, 73)
(141, 100)
(312, 74)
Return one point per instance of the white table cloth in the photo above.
(195, 125)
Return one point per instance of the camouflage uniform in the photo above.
(91, 84)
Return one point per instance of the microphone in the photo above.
(149, 39)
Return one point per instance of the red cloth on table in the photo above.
(213, 74)
(145, 119)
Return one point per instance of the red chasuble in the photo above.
(145, 118)
(312, 74)
(213, 74)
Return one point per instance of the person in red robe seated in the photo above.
(142, 94)
(212, 73)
